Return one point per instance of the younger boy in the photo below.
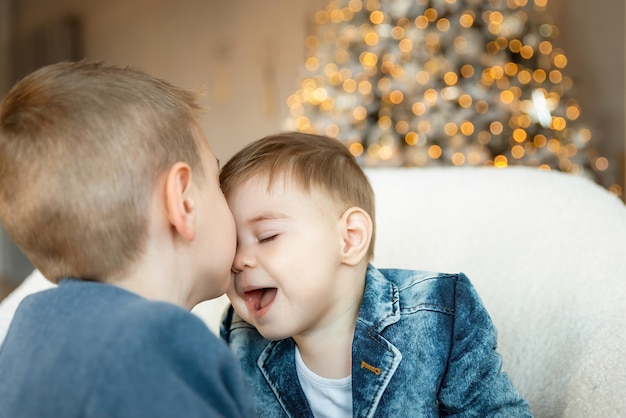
(109, 186)
(318, 329)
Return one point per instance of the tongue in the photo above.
(260, 298)
(267, 297)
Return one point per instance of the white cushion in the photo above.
(547, 253)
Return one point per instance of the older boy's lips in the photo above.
(259, 300)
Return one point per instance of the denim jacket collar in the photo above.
(374, 359)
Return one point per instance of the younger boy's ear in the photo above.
(179, 201)
(357, 233)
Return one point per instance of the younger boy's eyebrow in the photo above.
(267, 216)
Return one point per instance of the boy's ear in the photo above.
(179, 201)
(357, 232)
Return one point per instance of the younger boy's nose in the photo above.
(243, 260)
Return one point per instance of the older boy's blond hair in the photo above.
(81, 147)
(308, 160)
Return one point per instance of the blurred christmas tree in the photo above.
(445, 82)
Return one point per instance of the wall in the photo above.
(246, 58)
(248, 54)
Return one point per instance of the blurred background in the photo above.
(250, 58)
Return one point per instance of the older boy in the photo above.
(318, 329)
(109, 186)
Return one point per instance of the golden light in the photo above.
(332, 130)
(311, 64)
(450, 128)
(496, 17)
(515, 45)
(397, 32)
(601, 163)
(517, 152)
(422, 77)
(421, 22)
(458, 158)
(405, 45)
(384, 122)
(359, 113)
(418, 108)
(355, 5)
(349, 85)
(321, 17)
(365, 87)
(466, 20)
(431, 14)
(539, 75)
(396, 97)
(311, 42)
(435, 152)
(397, 72)
(482, 107)
(571, 149)
(560, 60)
(500, 161)
(296, 110)
(303, 124)
(320, 94)
(450, 78)
(540, 141)
(527, 52)
(519, 135)
(572, 112)
(460, 44)
(584, 135)
(545, 47)
(424, 126)
(467, 128)
(473, 158)
(356, 149)
(328, 104)
(510, 69)
(496, 128)
(384, 84)
(377, 17)
(484, 137)
(524, 76)
(411, 138)
(371, 38)
(341, 56)
(554, 145)
(443, 25)
(558, 123)
(555, 76)
(385, 152)
(467, 71)
(465, 101)
(507, 96)
(430, 96)
(368, 59)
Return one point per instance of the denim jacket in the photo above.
(424, 346)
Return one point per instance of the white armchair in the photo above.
(547, 253)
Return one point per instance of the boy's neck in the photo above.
(327, 351)
(161, 274)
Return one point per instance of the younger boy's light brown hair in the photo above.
(308, 160)
(81, 147)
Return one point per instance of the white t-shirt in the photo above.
(328, 398)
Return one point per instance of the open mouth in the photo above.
(258, 300)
